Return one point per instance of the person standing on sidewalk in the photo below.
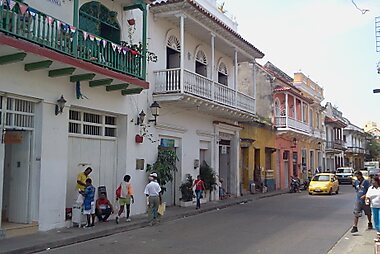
(89, 203)
(126, 198)
(153, 192)
(361, 186)
(199, 188)
(373, 198)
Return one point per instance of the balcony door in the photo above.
(222, 74)
(201, 63)
(96, 19)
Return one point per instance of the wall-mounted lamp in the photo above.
(155, 108)
(141, 118)
(60, 105)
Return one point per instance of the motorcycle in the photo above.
(294, 185)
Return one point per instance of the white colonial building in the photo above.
(195, 82)
(68, 99)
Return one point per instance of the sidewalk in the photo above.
(66, 236)
(361, 243)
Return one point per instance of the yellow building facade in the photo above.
(257, 160)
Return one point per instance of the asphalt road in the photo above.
(290, 223)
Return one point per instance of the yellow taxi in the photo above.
(365, 176)
(324, 183)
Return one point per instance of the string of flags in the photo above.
(23, 8)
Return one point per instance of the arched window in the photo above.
(201, 63)
(173, 56)
(222, 74)
(174, 43)
(95, 18)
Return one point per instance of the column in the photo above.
(295, 107)
(286, 110)
(235, 74)
(3, 116)
(182, 53)
(213, 65)
(302, 118)
(75, 24)
(144, 41)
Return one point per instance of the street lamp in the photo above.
(155, 107)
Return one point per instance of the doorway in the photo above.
(286, 168)
(245, 168)
(225, 164)
(295, 160)
(17, 170)
(257, 170)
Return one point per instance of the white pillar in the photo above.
(295, 107)
(2, 151)
(235, 73)
(213, 66)
(182, 53)
(286, 110)
(302, 118)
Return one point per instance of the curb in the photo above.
(129, 227)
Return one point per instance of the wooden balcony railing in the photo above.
(169, 81)
(289, 122)
(44, 30)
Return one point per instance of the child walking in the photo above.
(89, 203)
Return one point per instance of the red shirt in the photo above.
(198, 184)
(103, 203)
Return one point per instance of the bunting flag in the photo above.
(73, 29)
(11, 4)
(23, 8)
(59, 24)
(124, 51)
(98, 40)
(113, 46)
(32, 12)
(49, 20)
(133, 52)
(104, 42)
(118, 48)
(85, 35)
(92, 37)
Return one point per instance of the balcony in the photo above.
(336, 146)
(356, 150)
(283, 122)
(168, 82)
(48, 32)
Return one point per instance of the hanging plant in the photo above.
(131, 22)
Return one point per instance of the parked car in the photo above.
(373, 172)
(324, 183)
(365, 176)
(345, 174)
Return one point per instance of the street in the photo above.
(289, 223)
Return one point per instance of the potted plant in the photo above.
(209, 178)
(186, 191)
(165, 166)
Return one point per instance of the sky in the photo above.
(330, 41)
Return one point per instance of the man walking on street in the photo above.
(361, 186)
(153, 192)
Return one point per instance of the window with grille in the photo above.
(92, 124)
(18, 113)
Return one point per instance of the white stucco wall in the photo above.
(51, 162)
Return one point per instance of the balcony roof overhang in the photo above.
(54, 61)
(193, 103)
(202, 23)
(335, 122)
